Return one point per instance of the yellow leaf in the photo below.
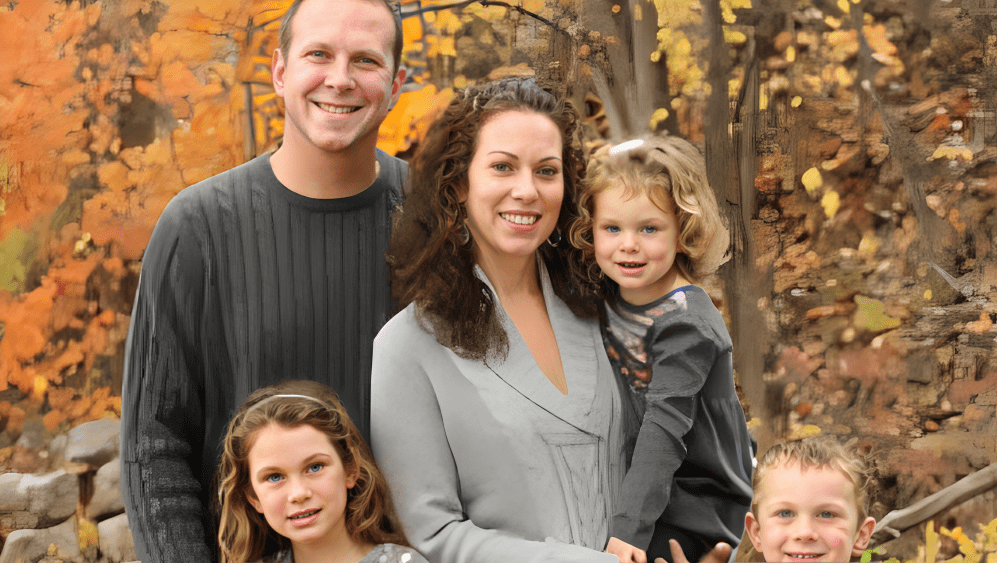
(657, 117)
(831, 202)
(796, 103)
(868, 245)
(927, 295)
(812, 180)
(871, 315)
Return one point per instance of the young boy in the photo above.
(810, 503)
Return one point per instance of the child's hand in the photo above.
(625, 552)
(718, 554)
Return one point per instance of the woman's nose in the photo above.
(525, 188)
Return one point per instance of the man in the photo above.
(272, 270)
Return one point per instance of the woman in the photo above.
(493, 404)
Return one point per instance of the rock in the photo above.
(57, 448)
(94, 443)
(37, 501)
(106, 498)
(29, 545)
(33, 435)
(116, 543)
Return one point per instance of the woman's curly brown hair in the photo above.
(243, 533)
(430, 256)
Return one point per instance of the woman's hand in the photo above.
(625, 552)
(718, 554)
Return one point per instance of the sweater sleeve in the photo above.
(410, 444)
(162, 418)
(683, 352)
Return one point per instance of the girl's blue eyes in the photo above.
(645, 230)
(277, 477)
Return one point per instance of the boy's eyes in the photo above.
(784, 513)
(826, 514)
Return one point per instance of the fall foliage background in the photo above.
(852, 145)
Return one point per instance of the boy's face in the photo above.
(635, 245)
(337, 78)
(807, 515)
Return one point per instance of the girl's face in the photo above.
(807, 515)
(300, 485)
(515, 185)
(635, 245)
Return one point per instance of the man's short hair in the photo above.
(284, 36)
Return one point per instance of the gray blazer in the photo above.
(491, 463)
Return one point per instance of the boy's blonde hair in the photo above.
(818, 452)
(667, 170)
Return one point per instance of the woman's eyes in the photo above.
(274, 478)
(549, 171)
(315, 467)
(501, 167)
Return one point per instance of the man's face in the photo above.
(336, 78)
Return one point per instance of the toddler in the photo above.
(298, 484)
(650, 227)
(811, 503)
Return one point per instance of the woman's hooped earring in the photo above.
(463, 235)
(554, 237)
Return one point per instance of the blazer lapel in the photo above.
(576, 343)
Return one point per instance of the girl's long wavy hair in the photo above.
(431, 257)
(672, 173)
(243, 533)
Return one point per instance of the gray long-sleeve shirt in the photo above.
(244, 283)
(691, 463)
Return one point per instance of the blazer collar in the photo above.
(576, 341)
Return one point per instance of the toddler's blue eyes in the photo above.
(613, 229)
(650, 230)
(826, 514)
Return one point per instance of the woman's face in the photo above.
(515, 185)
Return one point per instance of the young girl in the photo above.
(298, 484)
(649, 224)
(811, 503)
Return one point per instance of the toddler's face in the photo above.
(635, 245)
(807, 515)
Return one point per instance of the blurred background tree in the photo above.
(851, 146)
